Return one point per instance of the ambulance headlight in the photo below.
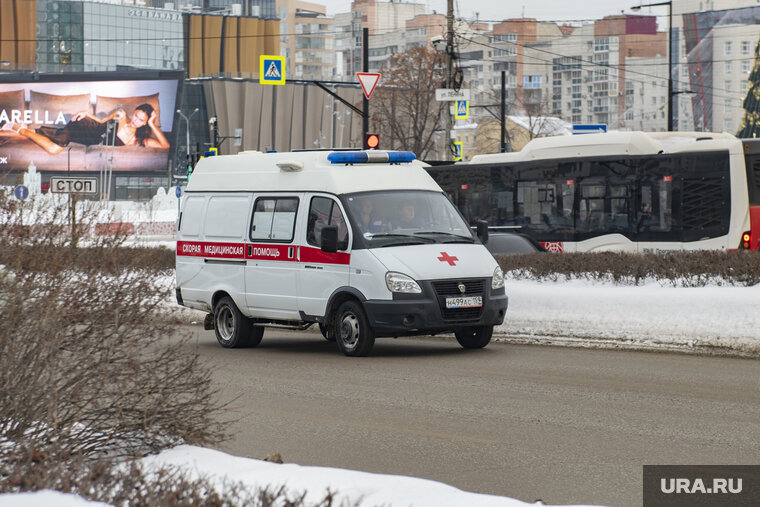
(497, 281)
(399, 282)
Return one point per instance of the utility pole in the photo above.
(365, 101)
(450, 43)
(449, 65)
(503, 137)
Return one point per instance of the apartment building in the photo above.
(381, 17)
(307, 39)
(522, 41)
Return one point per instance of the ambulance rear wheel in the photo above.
(326, 332)
(232, 328)
(475, 337)
(352, 331)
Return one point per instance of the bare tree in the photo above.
(404, 110)
(532, 108)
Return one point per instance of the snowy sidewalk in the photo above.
(650, 316)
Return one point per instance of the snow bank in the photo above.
(719, 318)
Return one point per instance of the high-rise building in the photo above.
(307, 39)
(96, 36)
(381, 17)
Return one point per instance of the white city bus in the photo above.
(622, 191)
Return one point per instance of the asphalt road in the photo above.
(530, 422)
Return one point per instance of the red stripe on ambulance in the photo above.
(316, 255)
(264, 252)
(268, 252)
(211, 250)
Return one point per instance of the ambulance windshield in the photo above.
(396, 216)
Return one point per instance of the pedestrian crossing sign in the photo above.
(462, 110)
(456, 150)
(272, 70)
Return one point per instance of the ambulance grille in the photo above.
(448, 288)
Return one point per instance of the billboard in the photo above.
(89, 122)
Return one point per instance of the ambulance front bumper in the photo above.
(427, 313)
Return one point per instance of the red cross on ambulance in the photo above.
(447, 258)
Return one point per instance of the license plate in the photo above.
(465, 302)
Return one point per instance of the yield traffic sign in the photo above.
(368, 80)
(272, 70)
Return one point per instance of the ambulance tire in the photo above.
(352, 331)
(475, 337)
(232, 328)
(330, 337)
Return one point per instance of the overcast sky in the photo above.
(558, 10)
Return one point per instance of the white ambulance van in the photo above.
(363, 243)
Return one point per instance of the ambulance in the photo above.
(362, 243)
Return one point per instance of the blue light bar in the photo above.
(401, 156)
(348, 157)
(373, 156)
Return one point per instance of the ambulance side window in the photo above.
(226, 217)
(274, 219)
(192, 216)
(322, 212)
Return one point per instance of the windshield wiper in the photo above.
(406, 236)
(463, 238)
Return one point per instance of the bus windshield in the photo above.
(389, 218)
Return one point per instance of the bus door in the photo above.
(654, 214)
(590, 221)
(606, 207)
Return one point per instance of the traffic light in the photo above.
(371, 141)
(189, 170)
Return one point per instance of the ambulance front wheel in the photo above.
(475, 337)
(352, 331)
(232, 328)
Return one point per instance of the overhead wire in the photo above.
(597, 64)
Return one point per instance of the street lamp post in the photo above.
(187, 131)
(670, 52)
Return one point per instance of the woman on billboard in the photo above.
(88, 129)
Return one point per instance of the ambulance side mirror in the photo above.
(482, 229)
(329, 242)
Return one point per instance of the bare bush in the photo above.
(687, 269)
(84, 360)
(32, 468)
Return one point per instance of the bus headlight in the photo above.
(399, 282)
(497, 281)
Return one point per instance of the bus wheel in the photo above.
(326, 332)
(352, 331)
(475, 337)
(232, 328)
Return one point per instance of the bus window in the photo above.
(620, 210)
(568, 200)
(591, 207)
(655, 215)
(541, 205)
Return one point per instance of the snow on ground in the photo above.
(45, 498)
(720, 319)
(351, 487)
